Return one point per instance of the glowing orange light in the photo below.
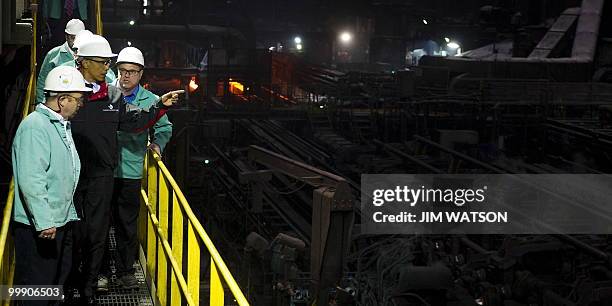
(193, 85)
(236, 88)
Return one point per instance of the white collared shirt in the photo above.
(95, 88)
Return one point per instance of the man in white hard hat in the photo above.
(58, 55)
(132, 148)
(81, 38)
(95, 134)
(46, 170)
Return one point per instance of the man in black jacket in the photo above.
(95, 136)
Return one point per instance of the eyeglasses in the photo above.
(128, 73)
(106, 62)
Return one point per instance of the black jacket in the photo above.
(95, 126)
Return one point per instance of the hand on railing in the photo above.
(155, 147)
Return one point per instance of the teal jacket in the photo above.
(55, 57)
(46, 170)
(54, 8)
(132, 147)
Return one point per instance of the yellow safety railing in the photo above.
(98, 13)
(164, 210)
(7, 248)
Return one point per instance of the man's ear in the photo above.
(60, 100)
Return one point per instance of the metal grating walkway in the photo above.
(124, 297)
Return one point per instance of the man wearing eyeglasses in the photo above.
(95, 134)
(65, 55)
(46, 169)
(132, 148)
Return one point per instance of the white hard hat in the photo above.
(130, 55)
(74, 26)
(82, 37)
(65, 79)
(96, 45)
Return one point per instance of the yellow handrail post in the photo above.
(216, 288)
(177, 247)
(162, 264)
(98, 11)
(193, 262)
(32, 92)
(152, 186)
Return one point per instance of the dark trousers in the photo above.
(92, 200)
(125, 207)
(41, 261)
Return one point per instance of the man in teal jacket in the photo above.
(46, 169)
(132, 147)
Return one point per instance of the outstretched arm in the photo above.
(139, 120)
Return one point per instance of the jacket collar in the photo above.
(53, 116)
(101, 94)
(66, 49)
(143, 96)
(57, 123)
(47, 112)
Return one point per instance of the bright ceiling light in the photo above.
(299, 46)
(346, 37)
(424, 21)
(132, 22)
(297, 40)
(452, 45)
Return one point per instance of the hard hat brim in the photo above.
(128, 62)
(107, 55)
(82, 89)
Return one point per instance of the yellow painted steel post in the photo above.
(152, 185)
(193, 263)
(177, 247)
(142, 213)
(216, 288)
(98, 11)
(5, 247)
(33, 51)
(162, 264)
